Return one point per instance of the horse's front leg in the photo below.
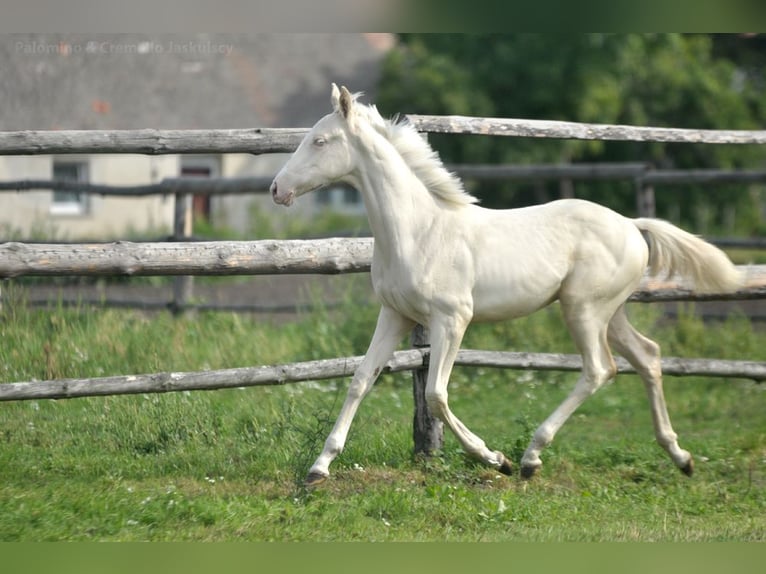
(446, 334)
(389, 331)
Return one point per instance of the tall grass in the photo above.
(226, 465)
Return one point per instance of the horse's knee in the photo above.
(437, 403)
(356, 390)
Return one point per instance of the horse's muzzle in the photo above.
(282, 199)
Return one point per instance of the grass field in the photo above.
(228, 465)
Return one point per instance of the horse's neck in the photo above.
(398, 205)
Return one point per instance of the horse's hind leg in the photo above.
(644, 355)
(588, 326)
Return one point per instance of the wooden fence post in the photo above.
(645, 199)
(427, 430)
(182, 229)
(566, 188)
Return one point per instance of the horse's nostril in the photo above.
(274, 189)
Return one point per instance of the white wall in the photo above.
(29, 213)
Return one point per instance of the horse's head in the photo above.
(324, 156)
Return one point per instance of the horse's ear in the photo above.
(335, 97)
(346, 102)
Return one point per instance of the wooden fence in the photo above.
(269, 257)
(642, 175)
(324, 256)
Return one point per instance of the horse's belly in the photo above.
(507, 295)
(495, 308)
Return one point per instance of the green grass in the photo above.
(228, 465)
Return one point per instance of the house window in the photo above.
(70, 202)
(201, 166)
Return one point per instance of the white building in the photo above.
(66, 81)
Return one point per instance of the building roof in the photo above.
(179, 81)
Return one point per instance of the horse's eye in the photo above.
(319, 141)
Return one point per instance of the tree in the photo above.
(676, 80)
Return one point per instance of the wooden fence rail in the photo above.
(640, 172)
(168, 186)
(276, 140)
(574, 130)
(151, 141)
(265, 257)
(408, 360)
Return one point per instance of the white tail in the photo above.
(673, 250)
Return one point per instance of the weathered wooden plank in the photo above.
(274, 140)
(245, 185)
(583, 131)
(537, 172)
(675, 366)
(151, 141)
(324, 256)
(344, 367)
(321, 256)
(200, 380)
(675, 289)
(607, 171)
(703, 176)
(168, 186)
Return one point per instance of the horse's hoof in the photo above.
(688, 468)
(506, 467)
(314, 479)
(528, 472)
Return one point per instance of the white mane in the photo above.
(424, 162)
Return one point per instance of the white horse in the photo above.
(443, 262)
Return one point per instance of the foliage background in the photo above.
(703, 81)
